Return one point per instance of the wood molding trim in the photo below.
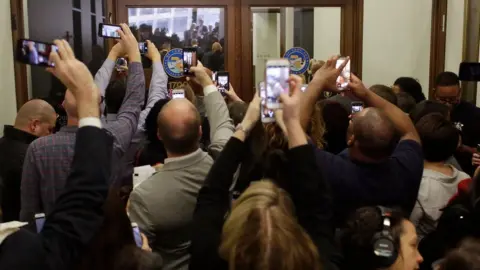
(18, 32)
(438, 41)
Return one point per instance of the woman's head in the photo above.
(260, 230)
(409, 85)
(366, 226)
(216, 47)
(465, 257)
(336, 119)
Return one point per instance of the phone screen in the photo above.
(277, 83)
(178, 93)
(266, 114)
(223, 83)
(143, 47)
(357, 107)
(109, 30)
(304, 87)
(35, 53)
(136, 235)
(189, 59)
(39, 221)
(344, 78)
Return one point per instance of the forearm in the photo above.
(309, 99)
(102, 78)
(296, 135)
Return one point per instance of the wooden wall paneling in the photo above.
(438, 41)
(18, 32)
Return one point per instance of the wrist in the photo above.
(113, 56)
(293, 124)
(246, 125)
(204, 83)
(135, 56)
(156, 59)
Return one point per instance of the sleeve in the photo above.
(313, 202)
(212, 205)
(139, 214)
(416, 214)
(409, 156)
(127, 118)
(102, 79)
(221, 126)
(30, 187)
(78, 214)
(158, 91)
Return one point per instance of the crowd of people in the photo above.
(392, 186)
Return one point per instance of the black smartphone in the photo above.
(223, 82)
(109, 30)
(469, 71)
(35, 53)
(143, 47)
(189, 60)
(39, 221)
(357, 106)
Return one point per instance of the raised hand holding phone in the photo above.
(129, 43)
(327, 75)
(200, 75)
(152, 52)
(291, 112)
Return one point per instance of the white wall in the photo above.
(454, 39)
(396, 41)
(326, 32)
(8, 103)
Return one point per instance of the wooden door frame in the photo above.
(438, 41)
(351, 33)
(232, 29)
(18, 32)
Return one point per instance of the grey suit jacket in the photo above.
(163, 205)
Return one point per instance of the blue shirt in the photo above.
(394, 182)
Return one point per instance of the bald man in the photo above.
(36, 118)
(163, 205)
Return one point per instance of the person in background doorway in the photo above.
(409, 85)
(465, 116)
(36, 118)
(385, 92)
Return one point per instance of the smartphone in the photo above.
(136, 235)
(143, 47)
(178, 93)
(266, 115)
(121, 64)
(277, 73)
(344, 78)
(304, 87)
(189, 60)
(35, 53)
(223, 82)
(469, 71)
(214, 76)
(109, 30)
(357, 106)
(39, 221)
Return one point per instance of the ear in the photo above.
(34, 124)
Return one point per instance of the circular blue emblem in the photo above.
(173, 63)
(299, 60)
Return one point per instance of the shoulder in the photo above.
(408, 147)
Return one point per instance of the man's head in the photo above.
(179, 127)
(385, 92)
(371, 135)
(200, 22)
(70, 104)
(439, 137)
(36, 117)
(114, 95)
(447, 89)
(409, 85)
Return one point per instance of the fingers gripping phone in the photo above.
(136, 235)
(266, 115)
(143, 47)
(178, 93)
(344, 79)
(39, 221)
(109, 30)
(276, 83)
(223, 82)
(35, 53)
(357, 106)
(189, 60)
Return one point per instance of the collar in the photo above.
(184, 161)
(18, 135)
(69, 129)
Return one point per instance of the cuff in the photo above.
(90, 121)
(209, 89)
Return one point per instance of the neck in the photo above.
(434, 165)
(356, 155)
(24, 129)
(173, 155)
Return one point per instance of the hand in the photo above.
(232, 95)
(253, 113)
(357, 88)
(476, 159)
(327, 75)
(153, 53)
(77, 78)
(145, 245)
(129, 43)
(116, 52)
(201, 77)
(291, 104)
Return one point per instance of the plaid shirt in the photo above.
(48, 159)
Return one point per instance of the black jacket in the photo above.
(13, 148)
(309, 193)
(77, 214)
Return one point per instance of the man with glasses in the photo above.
(465, 116)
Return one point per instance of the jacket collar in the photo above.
(184, 161)
(18, 135)
(69, 129)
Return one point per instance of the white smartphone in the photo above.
(344, 78)
(136, 235)
(266, 114)
(39, 221)
(178, 93)
(277, 73)
(357, 106)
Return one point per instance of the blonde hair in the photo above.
(216, 47)
(262, 233)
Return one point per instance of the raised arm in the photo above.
(102, 78)
(221, 126)
(213, 200)
(127, 118)
(158, 85)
